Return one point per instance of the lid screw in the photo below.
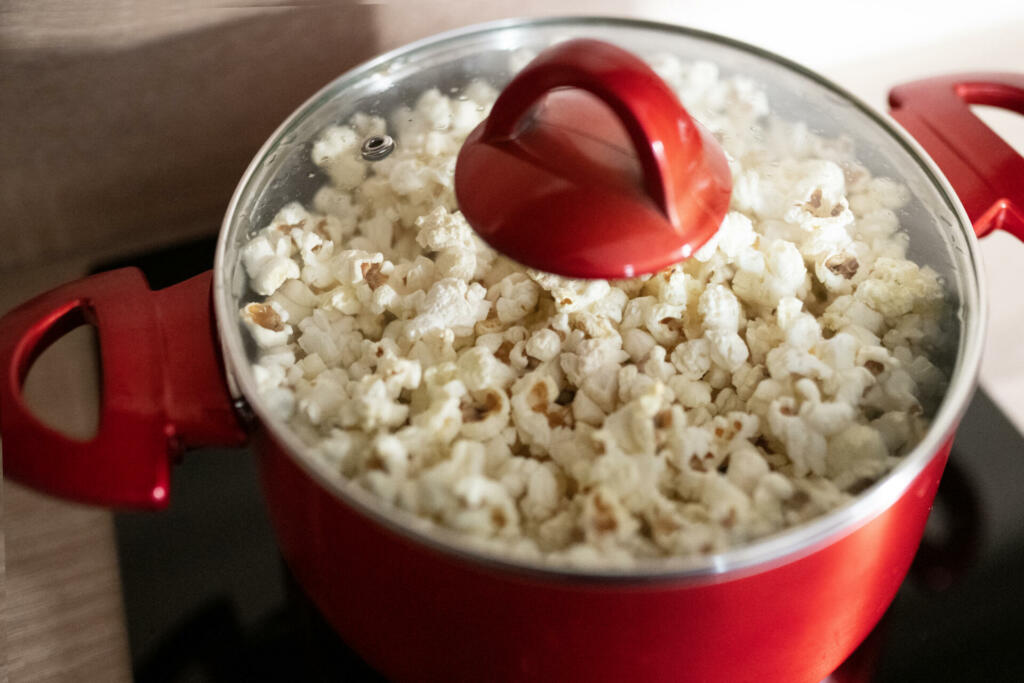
(377, 147)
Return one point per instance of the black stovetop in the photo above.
(208, 599)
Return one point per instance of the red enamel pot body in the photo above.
(421, 604)
(419, 614)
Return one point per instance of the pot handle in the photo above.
(163, 388)
(985, 171)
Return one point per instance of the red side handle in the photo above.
(163, 388)
(987, 173)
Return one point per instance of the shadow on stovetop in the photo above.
(292, 643)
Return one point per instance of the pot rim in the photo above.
(760, 555)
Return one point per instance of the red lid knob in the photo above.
(588, 166)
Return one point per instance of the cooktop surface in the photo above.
(208, 599)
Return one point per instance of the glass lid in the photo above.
(361, 318)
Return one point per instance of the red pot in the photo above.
(428, 607)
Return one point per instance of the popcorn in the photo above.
(804, 445)
(638, 344)
(855, 455)
(268, 263)
(746, 468)
(720, 309)
(480, 370)
(690, 393)
(544, 345)
(543, 493)
(727, 350)
(266, 324)
(372, 408)
(516, 295)
(604, 517)
(897, 430)
(296, 298)
(441, 229)
(320, 399)
(783, 276)
(570, 295)
(768, 379)
(337, 152)
(693, 358)
(535, 411)
(897, 287)
(449, 305)
(341, 215)
(592, 358)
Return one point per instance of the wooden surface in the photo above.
(62, 618)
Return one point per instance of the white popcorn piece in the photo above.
(414, 275)
(592, 357)
(295, 297)
(785, 361)
(784, 275)
(449, 305)
(656, 366)
(855, 455)
(898, 287)
(584, 409)
(727, 504)
(441, 229)
(373, 408)
(442, 419)
(268, 263)
(267, 323)
(690, 393)
(693, 358)
(727, 350)
(746, 378)
(762, 336)
(337, 152)
(321, 398)
(535, 412)
(897, 429)
(341, 214)
(544, 345)
(570, 295)
(485, 414)
(638, 344)
(824, 417)
(604, 517)
(479, 370)
(746, 468)
(515, 296)
(841, 352)
(805, 447)
(720, 309)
